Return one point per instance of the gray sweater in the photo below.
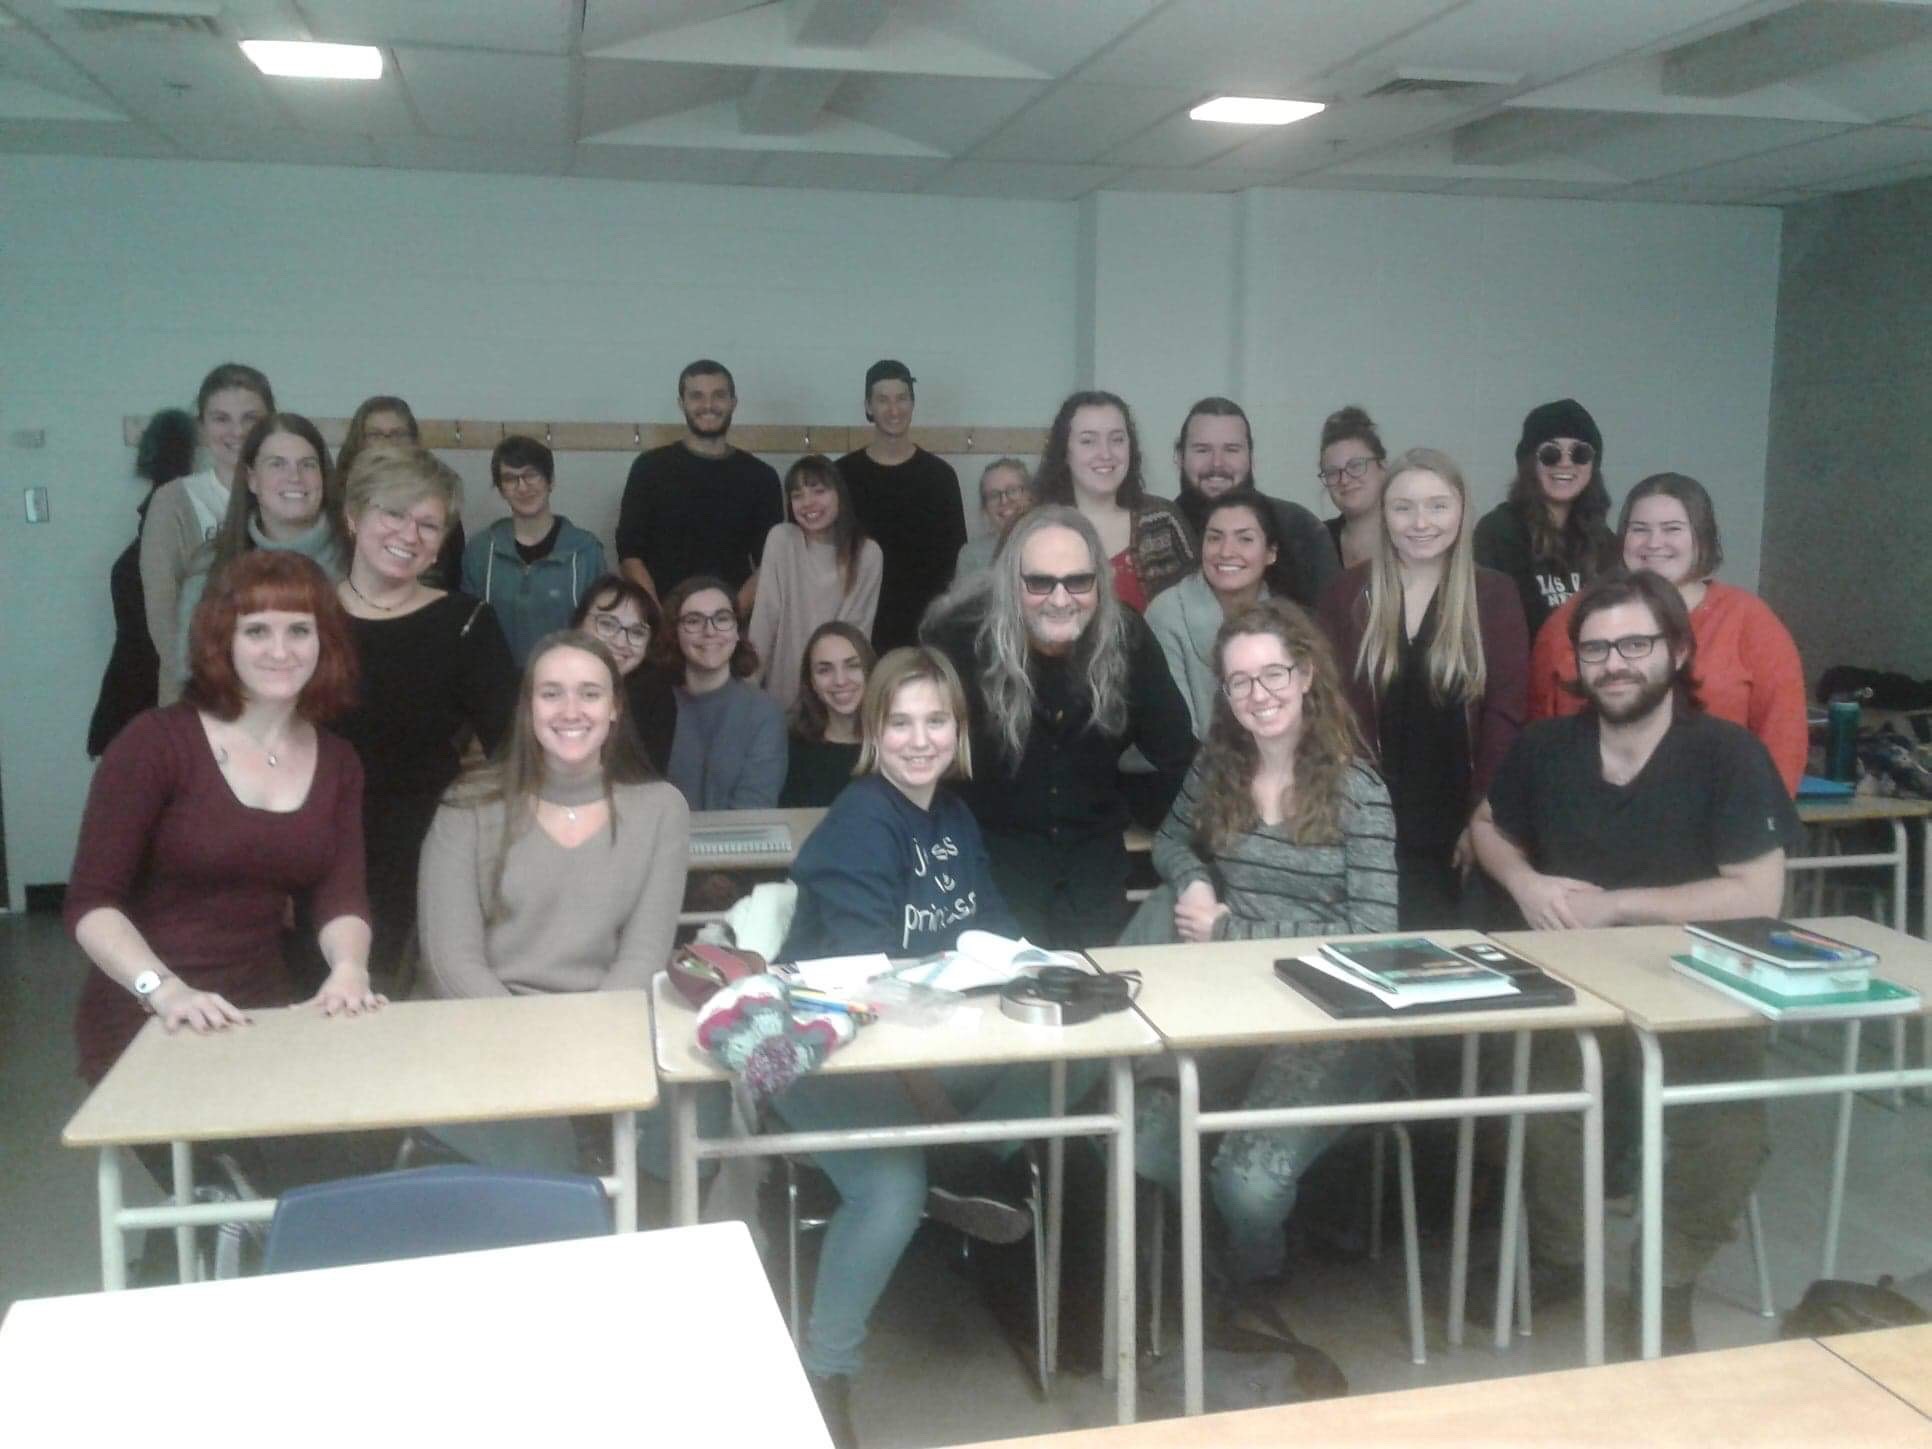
(1274, 887)
(1185, 620)
(729, 751)
(598, 917)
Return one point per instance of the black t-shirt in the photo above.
(1502, 542)
(685, 515)
(912, 510)
(1707, 797)
(816, 772)
(540, 550)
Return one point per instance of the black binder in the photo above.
(1534, 988)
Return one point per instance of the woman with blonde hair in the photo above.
(1281, 829)
(1436, 654)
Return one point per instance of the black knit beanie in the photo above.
(1566, 418)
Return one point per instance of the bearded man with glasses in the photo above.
(1642, 810)
(1060, 680)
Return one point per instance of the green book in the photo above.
(1881, 998)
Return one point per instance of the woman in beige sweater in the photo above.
(817, 567)
(559, 866)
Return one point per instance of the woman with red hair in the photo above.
(207, 817)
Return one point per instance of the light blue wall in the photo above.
(476, 296)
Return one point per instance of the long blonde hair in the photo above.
(1454, 664)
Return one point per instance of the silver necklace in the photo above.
(568, 795)
(221, 755)
(349, 579)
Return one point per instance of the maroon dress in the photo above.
(206, 880)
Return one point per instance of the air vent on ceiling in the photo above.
(173, 20)
(1440, 82)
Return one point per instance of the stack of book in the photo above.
(1788, 972)
(1411, 971)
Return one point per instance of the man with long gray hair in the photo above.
(1060, 679)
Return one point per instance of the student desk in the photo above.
(1798, 1394)
(1894, 810)
(800, 823)
(982, 1037)
(294, 1072)
(1225, 994)
(1899, 1359)
(1630, 967)
(673, 1334)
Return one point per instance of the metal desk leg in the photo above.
(1465, 1162)
(1512, 1190)
(184, 1195)
(623, 1166)
(1586, 1041)
(113, 1242)
(1901, 920)
(1841, 1147)
(1124, 1304)
(682, 1103)
(1056, 1211)
(1110, 1277)
(1651, 1227)
(1192, 1370)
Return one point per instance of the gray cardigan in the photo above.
(1185, 620)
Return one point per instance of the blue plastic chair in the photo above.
(424, 1211)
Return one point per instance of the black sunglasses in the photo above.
(1581, 454)
(1041, 586)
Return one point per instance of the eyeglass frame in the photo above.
(719, 621)
(1031, 584)
(1354, 467)
(1248, 682)
(1648, 641)
(609, 628)
(1578, 455)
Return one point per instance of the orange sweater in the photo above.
(1747, 672)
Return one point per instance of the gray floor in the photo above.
(939, 1373)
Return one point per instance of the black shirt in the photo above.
(685, 515)
(1707, 797)
(816, 772)
(1424, 751)
(913, 511)
(1064, 788)
(536, 552)
(1502, 542)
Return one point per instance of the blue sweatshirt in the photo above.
(881, 874)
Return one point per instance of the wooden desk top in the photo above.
(414, 1063)
(801, 823)
(1226, 993)
(1899, 1358)
(557, 1343)
(1863, 807)
(1630, 966)
(985, 1037)
(1795, 1394)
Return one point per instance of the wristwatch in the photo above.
(145, 985)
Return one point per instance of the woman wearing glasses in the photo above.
(435, 670)
(1748, 671)
(387, 422)
(1281, 829)
(624, 619)
(1005, 492)
(1435, 652)
(818, 566)
(1350, 468)
(534, 566)
(1550, 536)
(728, 747)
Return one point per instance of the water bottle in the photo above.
(1841, 735)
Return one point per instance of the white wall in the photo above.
(489, 297)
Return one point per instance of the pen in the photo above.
(812, 1001)
(1785, 940)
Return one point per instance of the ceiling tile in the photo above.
(946, 113)
(23, 100)
(1189, 179)
(1344, 132)
(716, 127)
(1053, 38)
(468, 93)
(1261, 46)
(1828, 164)
(619, 93)
(612, 22)
(1021, 180)
(1890, 85)
(1080, 122)
(443, 153)
(667, 163)
(185, 85)
(1514, 186)
(83, 138)
(1636, 85)
(26, 57)
(1339, 181)
(545, 26)
(823, 171)
(1180, 141)
(369, 108)
(1650, 146)
(301, 148)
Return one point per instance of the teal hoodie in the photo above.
(531, 600)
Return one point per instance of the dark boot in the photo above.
(834, 1395)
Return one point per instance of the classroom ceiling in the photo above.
(1710, 101)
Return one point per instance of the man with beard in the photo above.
(1060, 678)
(699, 505)
(1641, 810)
(1214, 455)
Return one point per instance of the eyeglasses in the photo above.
(612, 628)
(992, 497)
(1581, 454)
(1631, 646)
(1275, 678)
(722, 622)
(1354, 467)
(1041, 586)
(523, 478)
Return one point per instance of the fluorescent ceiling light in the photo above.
(1255, 110)
(314, 60)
